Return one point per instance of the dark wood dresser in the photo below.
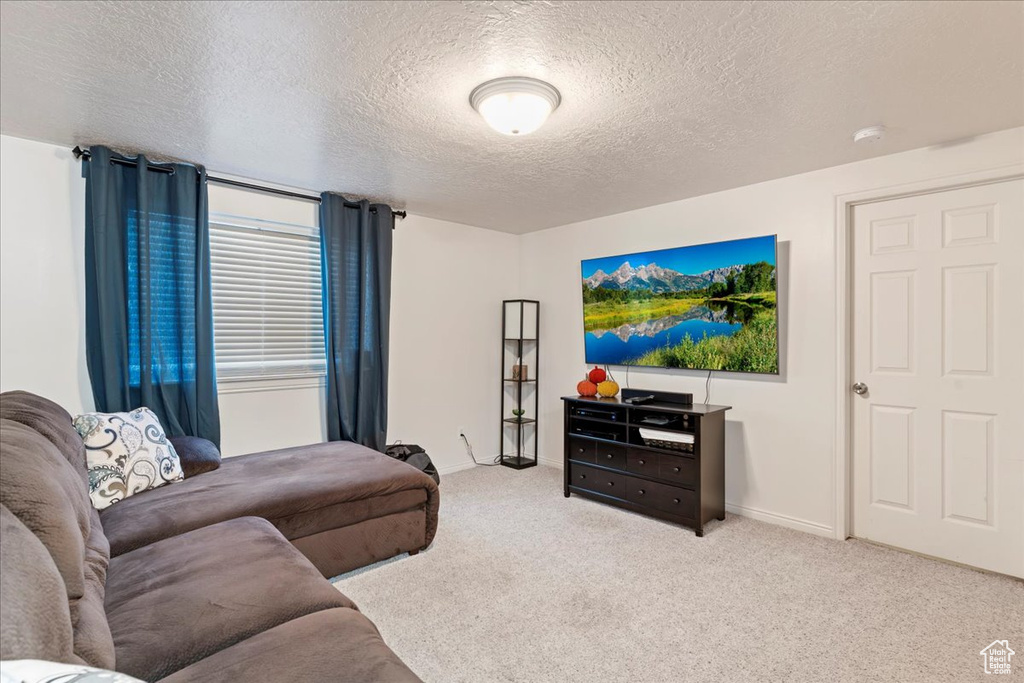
(607, 459)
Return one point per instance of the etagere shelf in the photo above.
(520, 325)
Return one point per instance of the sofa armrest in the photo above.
(197, 455)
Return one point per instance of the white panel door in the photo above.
(938, 355)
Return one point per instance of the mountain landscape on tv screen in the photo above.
(657, 279)
(721, 316)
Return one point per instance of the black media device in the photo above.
(596, 433)
(597, 413)
(630, 395)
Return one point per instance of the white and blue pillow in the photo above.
(126, 453)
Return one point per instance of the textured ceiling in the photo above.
(661, 101)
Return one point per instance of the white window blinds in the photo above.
(267, 317)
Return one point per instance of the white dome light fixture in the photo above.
(515, 105)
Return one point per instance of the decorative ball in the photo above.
(586, 388)
(597, 375)
(608, 388)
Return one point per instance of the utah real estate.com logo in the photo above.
(997, 657)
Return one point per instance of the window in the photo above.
(161, 309)
(267, 315)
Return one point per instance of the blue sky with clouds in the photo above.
(694, 259)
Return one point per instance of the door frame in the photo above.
(844, 206)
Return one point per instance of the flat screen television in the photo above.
(701, 307)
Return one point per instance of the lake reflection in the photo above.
(618, 345)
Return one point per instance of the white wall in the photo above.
(42, 273)
(447, 285)
(448, 282)
(779, 442)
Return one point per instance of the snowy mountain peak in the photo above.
(657, 279)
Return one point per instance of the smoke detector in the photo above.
(869, 134)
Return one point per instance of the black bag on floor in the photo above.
(415, 456)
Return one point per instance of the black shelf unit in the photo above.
(606, 458)
(520, 328)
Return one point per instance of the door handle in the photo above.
(860, 388)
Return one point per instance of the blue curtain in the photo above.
(355, 250)
(149, 313)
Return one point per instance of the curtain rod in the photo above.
(164, 168)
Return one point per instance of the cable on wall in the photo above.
(469, 449)
(707, 389)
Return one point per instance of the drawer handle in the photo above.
(582, 449)
(676, 501)
(642, 492)
(609, 456)
(642, 462)
(583, 476)
(675, 469)
(611, 483)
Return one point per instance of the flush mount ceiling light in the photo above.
(515, 105)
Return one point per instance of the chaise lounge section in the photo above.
(342, 505)
(187, 587)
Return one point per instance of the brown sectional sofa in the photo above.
(342, 505)
(216, 578)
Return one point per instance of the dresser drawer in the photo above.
(678, 469)
(661, 497)
(582, 449)
(598, 481)
(610, 455)
(682, 502)
(642, 462)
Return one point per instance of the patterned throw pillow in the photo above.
(126, 453)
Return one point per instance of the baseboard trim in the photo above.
(781, 520)
(753, 513)
(457, 467)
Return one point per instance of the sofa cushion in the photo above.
(45, 492)
(127, 453)
(337, 645)
(36, 623)
(197, 454)
(93, 642)
(49, 419)
(177, 601)
(302, 491)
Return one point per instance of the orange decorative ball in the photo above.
(597, 375)
(586, 388)
(608, 388)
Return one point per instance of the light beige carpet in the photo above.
(522, 584)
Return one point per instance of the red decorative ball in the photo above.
(586, 388)
(597, 375)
